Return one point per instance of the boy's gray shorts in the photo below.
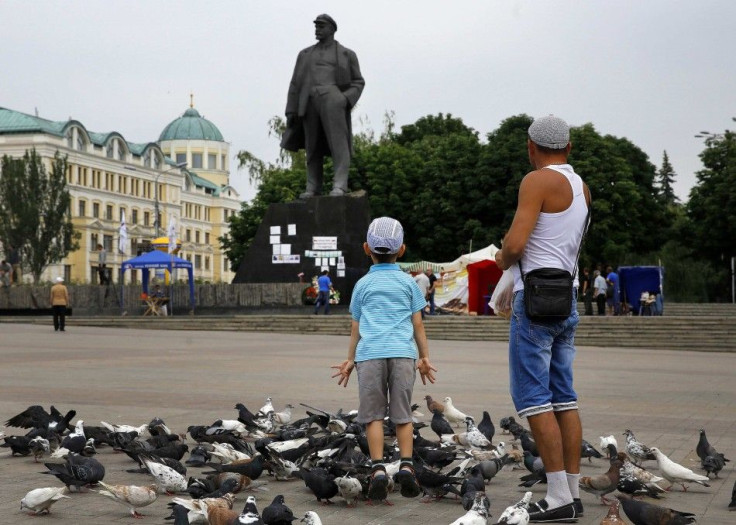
(379, 378)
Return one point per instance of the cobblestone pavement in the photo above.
(130, 376)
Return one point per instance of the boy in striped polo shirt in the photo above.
(387, 346)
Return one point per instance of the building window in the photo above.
(110, 150)
(80, 141)
(93, 241)
(121, 151)
(108, 212)
(156, 161)
(196, 236)
(181, 157)
(212, 161)
(206, 263)
(82, 208)
(134, 217)
(107, 242)
(147, 160)
(146, 218)
(197, 262)
(206, 237)
(222, 164)
(189, 235)
(196, 160)
(96, 210)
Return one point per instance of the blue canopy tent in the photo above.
(634, 280)
(155, 260)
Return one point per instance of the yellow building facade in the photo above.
(182, 177)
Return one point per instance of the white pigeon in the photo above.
(283, 417)
(265, 409)
(78, 430)
(517, 514)
(40, 500)
(232, 425)
(279, 447)
(452, 414)
(350, 489)
(283, 469)
(227, 453)
(676, 473)
(475, 437)
(250, 512)
(124, 428)
(478, 513)
(132, 496)
(337, 426)
(199, 508)
(167, 478)
(608, 440)
(311, 518)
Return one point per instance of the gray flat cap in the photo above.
(326, 19)
(550, 132)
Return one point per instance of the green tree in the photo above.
(665, 179)
(712, 210)
(35, 210)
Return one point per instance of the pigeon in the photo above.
(642, 513)
(732, 505)
(608, 440)
(77, 471)
(509, 425)
(474, 482)
(132, 496)
(517, 514)
(226, 453)
(490, 467)
(124, 428)
(629, 470)
(475, 437)
(265, 409)
(196, 509)
(321, 483)
(589, 451)
(283, 417)
(478, 513)
(535, 466)
(528, 444)
(350, 489)
(39, 446)
(433, 405)
(452, 414)
(637, 450)
(35, 417)
(198, 456)
(252, 468)
(676, 473)
(311, 518)
(713, 464)
(486, 426)
(440, 425)
(167, 479)
(250, 511)
(613, 517)
(604, 483)
(40, 500)
(705, 449)
(277, 513)
(20, 445)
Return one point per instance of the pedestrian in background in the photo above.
(324, 284)
(599, 289)
(59, 303)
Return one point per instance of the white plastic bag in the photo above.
(503, 295)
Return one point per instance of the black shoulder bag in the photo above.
(548, 291)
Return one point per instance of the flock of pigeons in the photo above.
(329, 453)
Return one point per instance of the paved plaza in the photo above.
(194, 378)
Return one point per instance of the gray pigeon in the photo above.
(642, 513)
(77, 471)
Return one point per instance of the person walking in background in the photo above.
(432, 288)
(613, 294)
(59, 303)
(599, 289)
(102, 264)
(16, 275)
(547, 232)
(387, 346)
(423, 282)
(324, 284)
(587, 282)
(5, 271)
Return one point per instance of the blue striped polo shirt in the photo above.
(383, 302)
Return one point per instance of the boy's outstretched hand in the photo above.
(343, 370)
(425, 370)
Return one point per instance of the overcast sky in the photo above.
(654, 71)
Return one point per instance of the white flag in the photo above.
(123, 241)
(172, 234)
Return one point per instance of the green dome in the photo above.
(191, 126)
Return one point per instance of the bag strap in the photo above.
(580, 247)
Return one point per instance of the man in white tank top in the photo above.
(546, 233)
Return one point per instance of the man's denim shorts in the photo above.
(540, 362)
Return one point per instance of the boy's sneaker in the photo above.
(540, 512)
(378, 487)
(407, 480)
(578, 507)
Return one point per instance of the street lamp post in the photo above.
(156, 221)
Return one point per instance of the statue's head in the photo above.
(324, 26)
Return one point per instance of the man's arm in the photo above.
(531, 198)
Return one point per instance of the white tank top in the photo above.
(555, 240)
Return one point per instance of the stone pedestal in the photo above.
(325, 227)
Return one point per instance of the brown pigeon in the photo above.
(433, 405)
(604, 483)
(613, 517)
